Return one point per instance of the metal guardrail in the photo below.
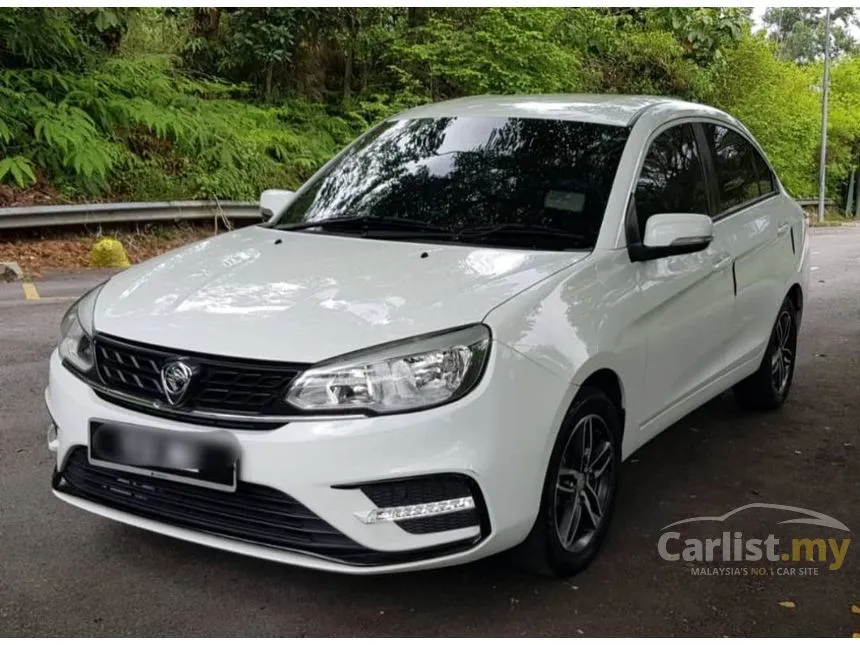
(43, 216)
(807, 203)
(129, 212)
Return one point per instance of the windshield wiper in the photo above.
(519, 230)
(375, 224)
(401, 228)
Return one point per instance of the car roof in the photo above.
(605, 109)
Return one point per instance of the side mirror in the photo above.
(669, 234)
(273, 202)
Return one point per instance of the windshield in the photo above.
(467, 173)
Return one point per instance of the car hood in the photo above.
(303, 297)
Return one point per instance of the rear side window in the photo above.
(766, 182)
(742, 174)
(672, 178)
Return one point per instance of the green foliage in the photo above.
(152, 104)
(648, 62)
(799, 32)
(103, 27)
(775, 100)
(498, 51)
(39, 37)
(843, 147)
(19, 168)
(705, 34)
(262, 39)
(781, 104)
(131, 119)
(155, 31)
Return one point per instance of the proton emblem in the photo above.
(176, 377)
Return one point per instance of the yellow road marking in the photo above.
(30, 292)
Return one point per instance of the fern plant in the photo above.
(84, 132)
(19, 168)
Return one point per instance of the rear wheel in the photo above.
(768, 388)
(579, 490)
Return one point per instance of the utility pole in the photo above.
(824, 96)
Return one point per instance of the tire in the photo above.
(547, 550)
(768, 388)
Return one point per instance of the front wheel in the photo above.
(579, 490)
(768, 388)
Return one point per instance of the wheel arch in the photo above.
(535, 551)
(609, 382)
(602, 373)
(795, 294)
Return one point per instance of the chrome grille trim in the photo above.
(219, 416)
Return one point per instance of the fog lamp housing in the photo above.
(416, 511)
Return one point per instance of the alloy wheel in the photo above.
(783, 354)
(584, 484)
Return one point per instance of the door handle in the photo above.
(783, 228)
(722, 261)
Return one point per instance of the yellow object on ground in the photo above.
(30, 291)
(109, 253)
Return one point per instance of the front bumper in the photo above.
(498, 438)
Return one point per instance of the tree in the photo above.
(799, 32)
(223, 101)
(706, 33)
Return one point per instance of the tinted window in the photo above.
(766, 181)
(672, 179)
(742, 175)
(464, 172)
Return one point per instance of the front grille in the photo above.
(249, 423)
(422, 490)
(254, 513)
(221, 385)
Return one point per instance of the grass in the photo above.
(832, 217)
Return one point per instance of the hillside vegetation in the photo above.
(153, 104)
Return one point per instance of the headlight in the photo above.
(76, 332)
(415, 373)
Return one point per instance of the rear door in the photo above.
(748, 216)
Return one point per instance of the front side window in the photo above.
(742, 174)
(672, 179)
(466, 173)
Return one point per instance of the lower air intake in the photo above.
(254, 513)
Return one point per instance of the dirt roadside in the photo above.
(59, 248)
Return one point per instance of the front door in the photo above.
(686, 301)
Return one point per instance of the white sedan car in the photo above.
(444, 344)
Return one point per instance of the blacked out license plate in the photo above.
(208, 459)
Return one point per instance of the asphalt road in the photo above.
(64, 572)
